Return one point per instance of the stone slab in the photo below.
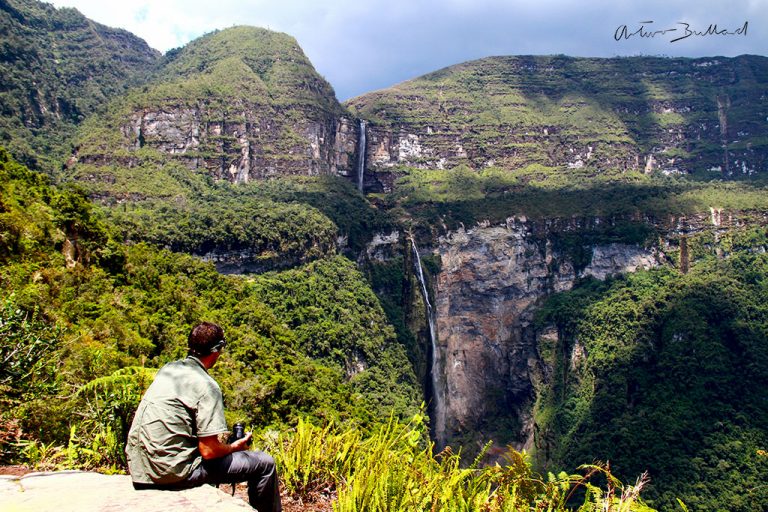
(78, 491)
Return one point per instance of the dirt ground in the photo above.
(317, 504)
(14, 470)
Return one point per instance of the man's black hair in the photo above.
(204, 338)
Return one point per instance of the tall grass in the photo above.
(394, 469)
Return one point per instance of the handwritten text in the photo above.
(682, 31)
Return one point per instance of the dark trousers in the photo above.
(257, 468)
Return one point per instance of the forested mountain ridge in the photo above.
(56, 68)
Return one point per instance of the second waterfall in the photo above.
(437, 403)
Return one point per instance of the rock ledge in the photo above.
(78, 491)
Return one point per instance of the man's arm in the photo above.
(213, 447)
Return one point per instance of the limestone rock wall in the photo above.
(429, 146)
(254, 143)
(443, 146)
(491, 281)
(670, 116)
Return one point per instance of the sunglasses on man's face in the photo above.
(218, 346)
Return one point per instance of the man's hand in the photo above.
(242, 443)
(212, 447)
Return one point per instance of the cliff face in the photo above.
(647, 114)
(242, 146)
(491, 281)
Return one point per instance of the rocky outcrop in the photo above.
(383, 246)
(491, 281)
(255, 143)
(256, 261)
(75, 491)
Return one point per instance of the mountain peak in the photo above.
(258, 47)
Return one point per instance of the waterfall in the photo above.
(438, 413)
(361, 156)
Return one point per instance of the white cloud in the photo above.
(362, 45)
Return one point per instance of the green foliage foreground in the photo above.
(394, 470)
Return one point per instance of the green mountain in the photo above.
(580, 116)
(56, 68)
(560, 137)
(237, 105)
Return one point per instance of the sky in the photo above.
(363, 45)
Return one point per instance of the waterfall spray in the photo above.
(361, 156)
(438, 420)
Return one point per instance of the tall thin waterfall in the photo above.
(438, 413)
(361, 156)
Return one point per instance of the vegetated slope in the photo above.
(576, 115)
(665, 372)
(255, 227)
(78, 307)
(56, 68)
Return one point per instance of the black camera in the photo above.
(238, 432)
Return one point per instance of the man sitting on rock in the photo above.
(178, 436)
